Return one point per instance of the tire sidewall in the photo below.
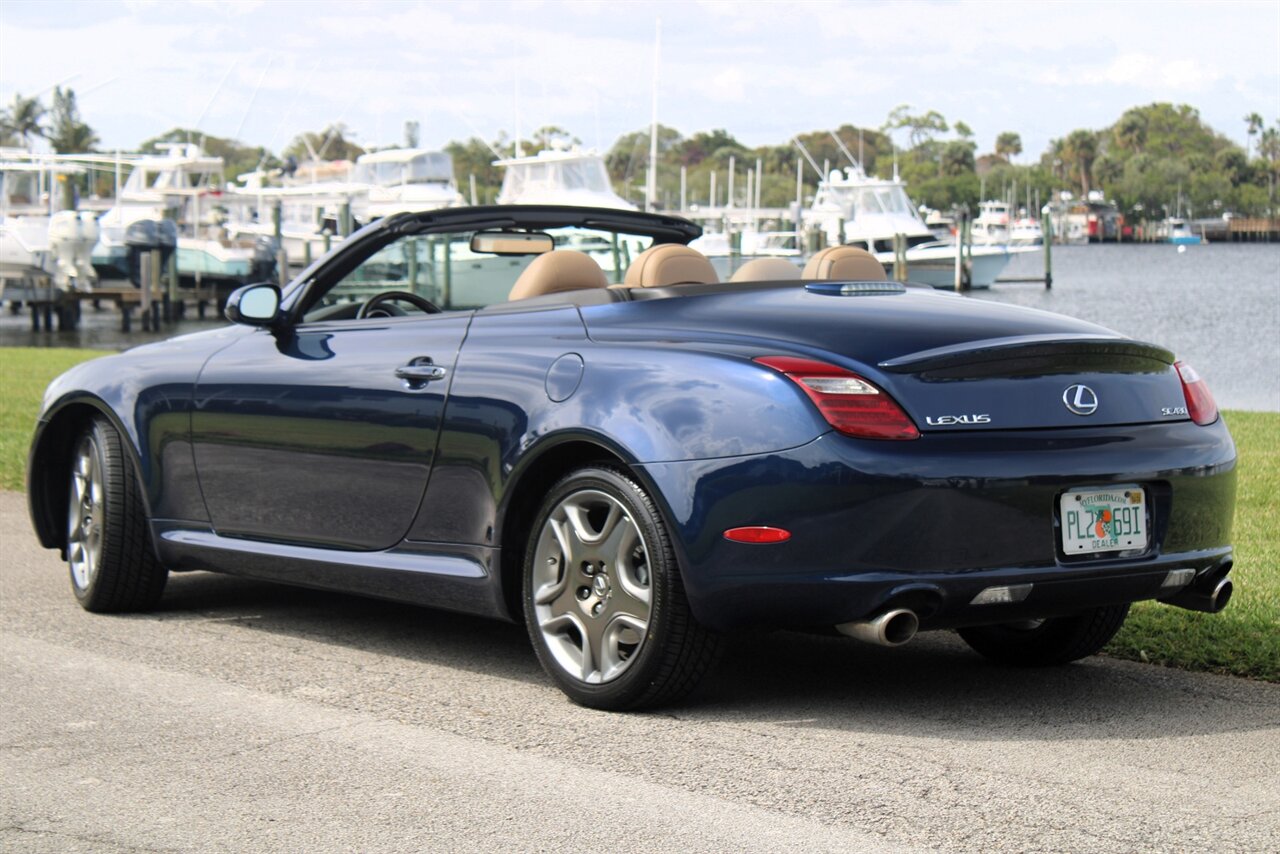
(95, 436)
(636, 680)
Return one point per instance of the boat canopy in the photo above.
(524, 179)
(403, 166)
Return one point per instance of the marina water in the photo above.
(1215, 306)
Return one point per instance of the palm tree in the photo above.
(24, 119)
(1256, 123)
(1008, 144)
(1081, 147)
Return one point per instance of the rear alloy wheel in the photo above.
(603, 598)
(1053, 640)
(113, 566)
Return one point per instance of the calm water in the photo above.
(1216, 306)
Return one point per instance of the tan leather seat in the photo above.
(845, 263)
(766, 270)
(670, 264)
(558, 271)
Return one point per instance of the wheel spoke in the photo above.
(590, 588)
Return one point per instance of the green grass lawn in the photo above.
(1243, 640)
(24, 373)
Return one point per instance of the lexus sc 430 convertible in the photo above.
(562, 416)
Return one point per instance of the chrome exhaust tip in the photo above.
(1205, 599)
(892, 628)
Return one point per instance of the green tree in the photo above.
(475, 157)
(238, 158)
(1256, 124)
(1008, 145)
(329, 144)
(1080, 149)
(69, 135)
(22, 120)
(920, 128)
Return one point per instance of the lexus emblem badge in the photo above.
(1080, 399)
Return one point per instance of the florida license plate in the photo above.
(1104, 519)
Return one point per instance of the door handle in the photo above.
(420, 371)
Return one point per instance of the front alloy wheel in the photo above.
(604, 602)
(112, 563)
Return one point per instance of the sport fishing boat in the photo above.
(856, 209)
(1179, 232)
(38, 240)
(182, 185)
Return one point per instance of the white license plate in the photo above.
(1104, 519)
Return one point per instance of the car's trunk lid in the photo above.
(952, 363)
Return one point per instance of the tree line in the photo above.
(1152, 161)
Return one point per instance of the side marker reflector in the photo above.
(1002, 595)
(1178, 578)
(757, 535)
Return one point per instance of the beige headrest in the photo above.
(766, 270)
(845, 263)
(557, 271)
(670, 264)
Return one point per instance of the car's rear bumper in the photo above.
(930, 523)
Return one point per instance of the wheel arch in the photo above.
(49, 464)
(522, 499)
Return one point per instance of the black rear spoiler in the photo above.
(1027, 348)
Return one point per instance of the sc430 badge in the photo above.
(950, 420)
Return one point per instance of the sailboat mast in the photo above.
(651, 188)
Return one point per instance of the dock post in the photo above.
(176, 307)
(157, 297)
(306, 253)
(344, 220)
(328, 239)
(277, 217)
(617, 258)
(735, 250)
(447, 286)
(411, 246)
(282, 266)
(961, 281)
(1047, 236)
(144, 288)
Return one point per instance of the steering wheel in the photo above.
(375, 302)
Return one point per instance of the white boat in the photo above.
(38, 241)
(1178, 231)
(182, 185)
(378, 184)
(1026, 231)
(404, 179)
(858, 210)
(559, 176)
(991, 226)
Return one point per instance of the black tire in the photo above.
(673, 652)
(112, 562)
(1055, 640)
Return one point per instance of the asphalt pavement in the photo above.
(245, 716)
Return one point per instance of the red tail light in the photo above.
(851, 404)
(1200, 405)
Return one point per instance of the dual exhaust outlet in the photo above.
(896, 627)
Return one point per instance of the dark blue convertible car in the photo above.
(562, 416)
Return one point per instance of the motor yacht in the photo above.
(859, 210)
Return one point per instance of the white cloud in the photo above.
(727, 86)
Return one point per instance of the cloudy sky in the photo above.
(264, 71)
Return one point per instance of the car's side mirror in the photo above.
(254, 305)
